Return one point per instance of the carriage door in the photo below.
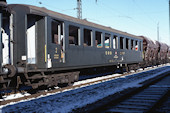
(31, 39)
(0, 42)
(55, 53)
(5, 37)
(36, 33)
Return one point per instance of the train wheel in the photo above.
(1, 96)
(127, 69)
(61, 85)
(32, 91)
(121, 70)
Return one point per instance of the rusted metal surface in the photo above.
(168, 54)
(41, 79)
(154, 52)
(162, 56)
(150, 51)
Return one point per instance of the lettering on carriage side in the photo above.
(56, 56)
(111, 61)
(116, 56)
(108, 52)
(122, 53)
(56, 50)
(119, 61)
(105, 52)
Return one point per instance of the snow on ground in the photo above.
(95, 79)
(69, 100)
(14, 96)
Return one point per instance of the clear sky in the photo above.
(138, 17)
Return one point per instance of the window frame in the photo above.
(78, 35)
(91, 37)
(101, 38)
(108, 36)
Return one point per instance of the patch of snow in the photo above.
(95, 79)
(140, 69)
(14, 96)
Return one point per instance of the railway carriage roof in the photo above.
(44, 11)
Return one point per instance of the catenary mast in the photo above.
(169, 21)
(79, 9)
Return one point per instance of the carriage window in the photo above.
(136, 45)
(127, 43)
(132, 47)
(56, 32)
(115, 42)
(98, 39)
(87, 37)
(107, 40)
(73, 35)
(121, 42)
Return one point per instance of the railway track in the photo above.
(163, 107)
(4, 102)
(143, 99)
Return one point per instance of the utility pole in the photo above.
(169, 21)
(79, 9)
(158, 31)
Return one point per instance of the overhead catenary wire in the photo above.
(50, 6)
(119, 15)
(148, 15)
(125, 16)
